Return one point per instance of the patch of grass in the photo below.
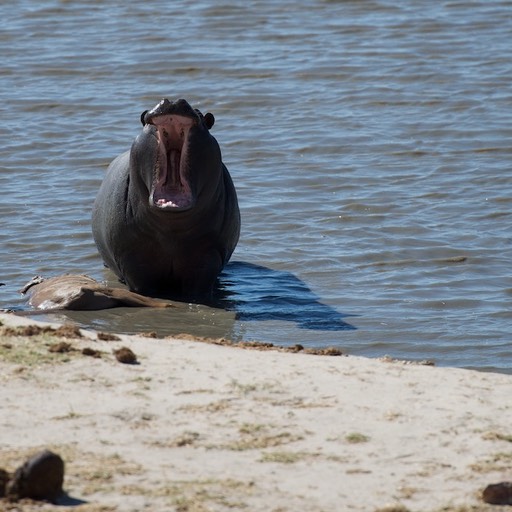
(200, 495)
(69, 331)
(29, 352)
(356, 438)
(243, 389)
(32, 345)
(497, 436)
(284, 457)
(498, 462)
(301, 403)
(94, 473)
(339, 459)
(392, 415)
(407, 493)
(358, 471)
(252, 428)
(257, 436)
(188, 438)
(71, 415)
(217, 406)
(265, 441)
(194, 391)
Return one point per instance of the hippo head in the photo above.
(175, 157)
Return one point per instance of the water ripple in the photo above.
(369, 142)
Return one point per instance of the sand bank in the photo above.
(199, 427)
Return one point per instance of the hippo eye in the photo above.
(209, 119)
(142, 116)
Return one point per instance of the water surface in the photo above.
(369, 141)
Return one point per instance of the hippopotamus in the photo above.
(166, 218)
(81, 292)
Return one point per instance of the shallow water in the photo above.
(369, 141)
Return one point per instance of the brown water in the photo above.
(370, 143)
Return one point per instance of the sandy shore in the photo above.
(201, 427)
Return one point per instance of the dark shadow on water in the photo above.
(256, 293)
(65, 500)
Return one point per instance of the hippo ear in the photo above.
(209, 120)
(142, 116)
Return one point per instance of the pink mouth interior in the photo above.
(171, 187)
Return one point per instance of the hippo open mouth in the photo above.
(171, 188)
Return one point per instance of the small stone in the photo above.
(125, 355)
(68, 331)
(88, 351)
(106, 336)
(40, 478)
(329, 351)
(498, 494)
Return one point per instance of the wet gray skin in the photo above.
(166, 218)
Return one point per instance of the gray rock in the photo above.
(41, 477)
